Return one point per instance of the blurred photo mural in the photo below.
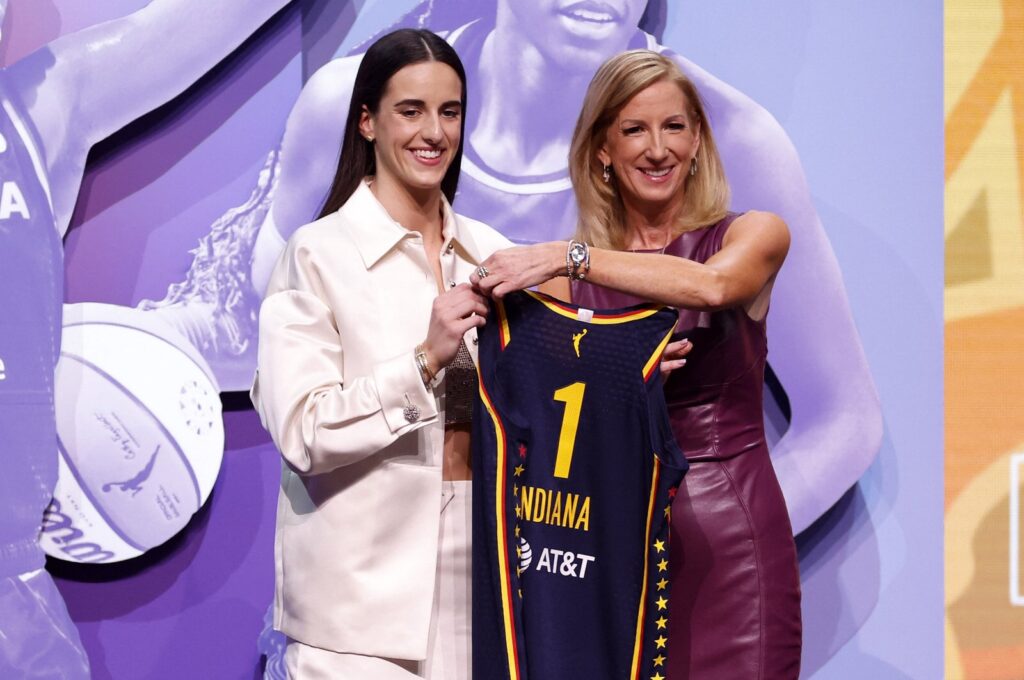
(984, 111)
(190, 139)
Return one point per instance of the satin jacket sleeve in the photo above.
(319, 418)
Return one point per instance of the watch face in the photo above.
(577, 254)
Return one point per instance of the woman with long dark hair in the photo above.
(366, 380)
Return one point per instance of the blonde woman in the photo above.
(653, 225)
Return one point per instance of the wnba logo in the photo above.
(134, 485)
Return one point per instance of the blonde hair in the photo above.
(601, 212)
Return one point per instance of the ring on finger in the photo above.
(482, 272)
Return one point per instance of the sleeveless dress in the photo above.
(735, 599)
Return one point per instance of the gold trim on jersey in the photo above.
(505, 334)
(570, 312)
(642, 609)
(656, 355)
(504, 574)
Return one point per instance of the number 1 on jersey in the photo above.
(572, 397)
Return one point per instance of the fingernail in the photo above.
(682, 362)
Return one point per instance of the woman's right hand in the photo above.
(520, 267)
(454, 312)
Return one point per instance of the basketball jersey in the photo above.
(574, 468)
(31, 290)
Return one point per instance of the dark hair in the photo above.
(386, 57)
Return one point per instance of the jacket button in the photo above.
(451, 245)
(451, 284)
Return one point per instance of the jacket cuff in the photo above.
(404, 400)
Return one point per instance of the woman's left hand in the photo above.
(673, 356)
(519, 267)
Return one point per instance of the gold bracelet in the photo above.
(421, 362)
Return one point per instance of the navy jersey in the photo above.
(31, 289)
(574, 467)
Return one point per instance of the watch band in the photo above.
(577, 260)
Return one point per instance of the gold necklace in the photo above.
(668, 239)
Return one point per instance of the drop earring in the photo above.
(606, 175)
(693, 167)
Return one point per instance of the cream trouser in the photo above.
(449, 645)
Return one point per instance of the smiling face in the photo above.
(417, 126)
(576, 34)
(650, 145)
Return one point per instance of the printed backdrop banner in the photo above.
(984, 331)
(829, 115)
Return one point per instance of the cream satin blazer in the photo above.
(338, 389)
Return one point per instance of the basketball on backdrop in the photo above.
(139, 435)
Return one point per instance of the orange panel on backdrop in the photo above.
(984, 365)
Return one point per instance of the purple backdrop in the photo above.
(184, 207)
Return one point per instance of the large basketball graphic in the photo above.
(140, 435)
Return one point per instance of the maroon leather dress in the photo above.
(735, 601)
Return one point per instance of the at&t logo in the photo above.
(554, 561)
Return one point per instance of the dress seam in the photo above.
(757, 571)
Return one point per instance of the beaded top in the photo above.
(460, 387)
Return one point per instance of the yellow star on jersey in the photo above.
(657, 676)
(659, 546)
(660, 642)
(515, 489)
(661, 602)
(668, 510)
(661, 584)
(519, 470)
(661, 622)
(659, 660)
(519, 551)
(517, 534)
(519, 512)
(663, 565)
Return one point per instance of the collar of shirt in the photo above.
(378, 233)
